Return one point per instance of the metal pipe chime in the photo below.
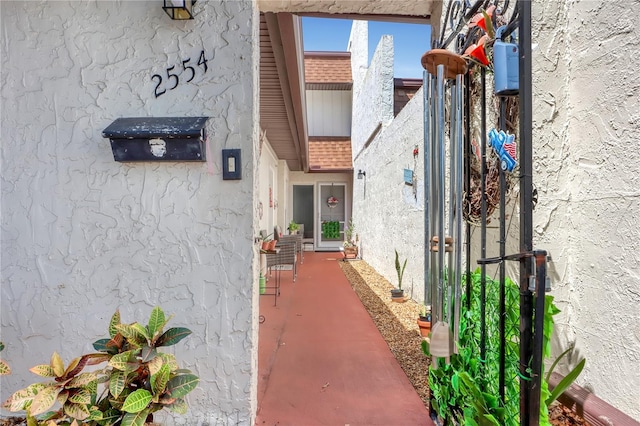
(443, 80)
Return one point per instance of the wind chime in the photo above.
(443, 83)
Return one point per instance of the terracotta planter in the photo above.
(265, 245)
(272, 244)
(398, 295)
(351, 252)
(424, 325)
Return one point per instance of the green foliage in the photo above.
(331, 230)
(349, 234)
(138, 380)
(455, 387)
(465, 391)
(4, 367)
(293, 226)
(400, 269)
(548, 397)
(565, 382)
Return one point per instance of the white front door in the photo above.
(332, 213)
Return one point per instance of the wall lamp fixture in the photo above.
(179, 9)
(361, 174)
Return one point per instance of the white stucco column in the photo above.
(83, 235)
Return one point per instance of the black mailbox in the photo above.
(157, 138)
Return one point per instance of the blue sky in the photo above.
(410, 41)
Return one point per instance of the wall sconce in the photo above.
(179, 9)
(363, 175)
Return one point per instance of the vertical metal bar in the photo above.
(440, 184)
(467, 168)
(457, 237)
(453, 138)
(503, 238)
(483, 228)
(527, 414)
(426, 151)
(433, 210)
(538, 334)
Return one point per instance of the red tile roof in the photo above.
(330, 154)
(327, 67)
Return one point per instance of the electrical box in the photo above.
(157, 138)
(506, 64)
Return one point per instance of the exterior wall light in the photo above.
(361, 174)
(179, 9)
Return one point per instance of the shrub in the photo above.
(136, 381)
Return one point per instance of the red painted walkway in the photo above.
(321, 359)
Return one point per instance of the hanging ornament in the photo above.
(332, 202)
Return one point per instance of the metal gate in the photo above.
(474, 179)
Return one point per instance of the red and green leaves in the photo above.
(4, 367)
(139, 379)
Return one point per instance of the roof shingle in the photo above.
(330, 154)
(327, 67)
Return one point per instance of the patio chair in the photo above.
(297, 239)
(286, 256)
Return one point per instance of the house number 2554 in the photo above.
(180, 73)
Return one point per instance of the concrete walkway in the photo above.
(321, 359)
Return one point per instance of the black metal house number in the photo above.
(173, 78)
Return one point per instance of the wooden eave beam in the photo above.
(279, 39)
(403, 19)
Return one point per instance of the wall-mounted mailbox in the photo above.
(157, 138)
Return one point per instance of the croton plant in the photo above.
(135, 380)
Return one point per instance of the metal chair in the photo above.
(286, 255)
(297, 239)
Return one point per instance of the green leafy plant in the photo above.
(331, 230)
(425, 312)
(400, 269)
(293, 226)
(137, 380)
(485, 408)
(4, 367)
(566, 380)
(455, 400)
(349, 234)
(263, 236)
(548, 397)
(455, 387)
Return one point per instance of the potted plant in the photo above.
(397, 295)
(293, 227)
(424, 321)
(122, 391)
(268, 243)
(350, 241)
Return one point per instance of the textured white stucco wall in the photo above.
(389, 214)
(83, 235)
(358, 46)
(586, 131)
(373, 95)
(267, 167)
